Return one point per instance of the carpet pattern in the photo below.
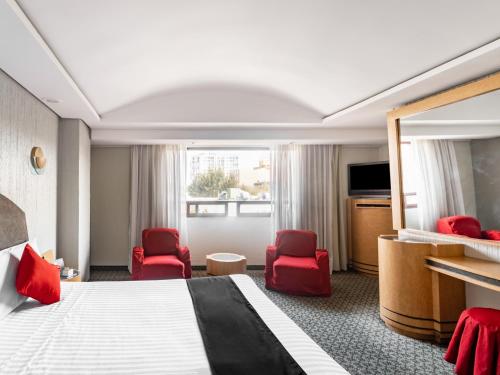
(347, 326)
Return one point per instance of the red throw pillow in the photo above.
(37, 278)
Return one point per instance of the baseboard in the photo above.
(109, 268)
(250, 267)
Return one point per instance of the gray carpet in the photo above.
(347, 326)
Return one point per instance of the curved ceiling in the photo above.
(252, 64)
(325, 54)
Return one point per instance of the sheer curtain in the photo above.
(157, 196)
(285, 187)
(305, 194)
(439, 190)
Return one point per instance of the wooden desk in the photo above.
(472, 270)
(414, 300)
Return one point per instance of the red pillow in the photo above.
(37, 278)
(491, 234)
(462, 225)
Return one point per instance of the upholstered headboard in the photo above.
(13, 229)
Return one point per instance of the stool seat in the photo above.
(475, 345)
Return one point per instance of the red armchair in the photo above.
(295, 266)
(466, 226)
(160, 256)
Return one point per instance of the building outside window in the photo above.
(228, 182)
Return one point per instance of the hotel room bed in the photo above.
(136, 327)
(207, 325)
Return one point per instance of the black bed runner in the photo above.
(236, 339)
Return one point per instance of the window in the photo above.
(228, 182)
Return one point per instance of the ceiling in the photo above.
(253, 64)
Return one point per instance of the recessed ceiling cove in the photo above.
(254, 61)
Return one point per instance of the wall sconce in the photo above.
(38, 159)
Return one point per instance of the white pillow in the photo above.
(9, 261)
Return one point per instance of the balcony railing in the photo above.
(222, 208)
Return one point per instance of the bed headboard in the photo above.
(13, 229)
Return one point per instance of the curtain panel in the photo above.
(157, 199)
(439, 189)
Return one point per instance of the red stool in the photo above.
(475, 345)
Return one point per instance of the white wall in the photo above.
(246, 236)
(24, 123)
(109, 202)
(74, 195)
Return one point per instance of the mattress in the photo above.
(136, 327)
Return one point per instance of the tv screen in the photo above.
(369, 178)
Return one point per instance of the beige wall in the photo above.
(25, 122)
(109, 202)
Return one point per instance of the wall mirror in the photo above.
(445, 161)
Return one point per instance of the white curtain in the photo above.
(305, 194)
(285, 187)
(439, 190)
(157, 196)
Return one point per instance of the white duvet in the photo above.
(136, 327)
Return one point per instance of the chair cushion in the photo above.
(298, 243)
(37, 278)
(461, 225)
(160, 241)
(307, 263)
(162, 267)
(298, 275)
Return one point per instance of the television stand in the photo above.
(367, 218)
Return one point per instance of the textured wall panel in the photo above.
(25, 122)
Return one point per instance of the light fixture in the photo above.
(38, 160)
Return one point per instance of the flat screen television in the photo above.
(369, 178)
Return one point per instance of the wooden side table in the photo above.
(50, 257)
(76, 278)
(220, 264)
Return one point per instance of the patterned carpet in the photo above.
(347, 326)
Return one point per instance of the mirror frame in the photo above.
(468, 90)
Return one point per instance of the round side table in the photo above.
(219, 264)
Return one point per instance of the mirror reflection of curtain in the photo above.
(439, 190)
(157, 198)
(305, 194)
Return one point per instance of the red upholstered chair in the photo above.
(465, 226)
(475, 345)
(295, 266)
(160, 256)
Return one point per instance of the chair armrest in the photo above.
(185, 257)
(322, 258)
(137, 260)
(271, 256)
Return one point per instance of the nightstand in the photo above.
(74, 279)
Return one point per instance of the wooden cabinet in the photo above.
(367, 218)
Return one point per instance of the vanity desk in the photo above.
(422, 285)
